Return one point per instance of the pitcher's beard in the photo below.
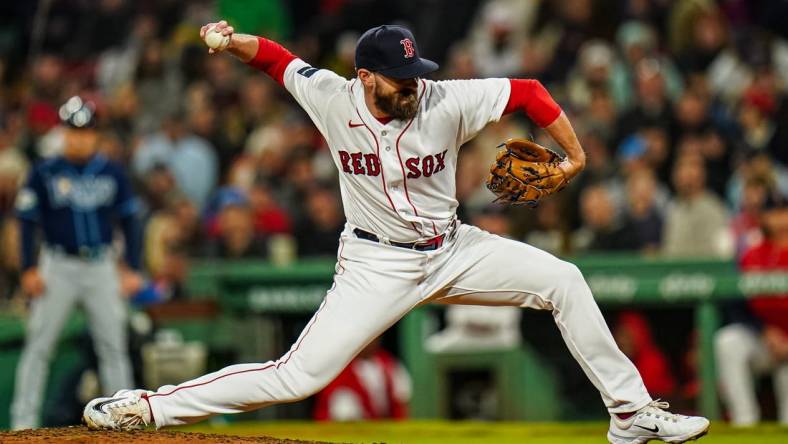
(398, 105)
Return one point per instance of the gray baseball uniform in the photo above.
(75, 206)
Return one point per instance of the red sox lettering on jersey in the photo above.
(369, 164)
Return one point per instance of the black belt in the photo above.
(86, 253)
(427, 245)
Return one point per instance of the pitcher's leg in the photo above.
(351, 315)
(498, 271)
(107, 317)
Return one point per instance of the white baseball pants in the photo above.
(376, 284)
(742, 357)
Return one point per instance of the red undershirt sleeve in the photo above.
(271, 58)
(530, 96)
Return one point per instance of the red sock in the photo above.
(625, 415)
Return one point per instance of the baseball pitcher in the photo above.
(394, 138)
(75, 199)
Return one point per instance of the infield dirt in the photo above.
(81, 434)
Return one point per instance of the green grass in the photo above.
(434, 432)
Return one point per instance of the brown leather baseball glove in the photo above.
(524, 172)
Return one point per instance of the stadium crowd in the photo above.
(676, 103)
(680, 105)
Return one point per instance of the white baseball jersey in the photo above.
(397, 180)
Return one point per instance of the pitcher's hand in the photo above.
(222, 28)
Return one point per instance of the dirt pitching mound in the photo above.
(81, 434)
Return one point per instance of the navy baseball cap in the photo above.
(77, 113)
(391, 50)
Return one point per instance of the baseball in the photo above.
(215, 40)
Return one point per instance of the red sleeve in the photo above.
(530, 96)
(272, 58)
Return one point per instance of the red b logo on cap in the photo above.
(408, 45)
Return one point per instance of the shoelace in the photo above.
(657, 408)
(128, 419)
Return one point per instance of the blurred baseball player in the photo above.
(394, 137)
(75, 198)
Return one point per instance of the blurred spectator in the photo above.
(10, 261)
(652, 107)
(158, 185)
(696, 223)
(317, 234)
(592, 74)
(13, 170)
(122, 109)
(300, 178)
(695, 132)
(158, 85)
(206, 123)
(601, 115)
(637, 41)
(116, 67)
(190, 158)
(658, 155)
(758, 344)
(738, 57)
(757, 164)
(265, 151)
(568, 25)
(42, 135)
(187, 218)
(344, 60)
(642, 216)
(756, 117)
(549, 232)
(235, 231)
(493, 218)
(222, 78)
(497, 50)
(634, 338)
(461, 64)
(269, 216)
(699, 35)
(600, 230)
(47, 77)
(601, 169)
(375, 385)
(471, 173)
(258, 102)
(746, 224)
(164, 255)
